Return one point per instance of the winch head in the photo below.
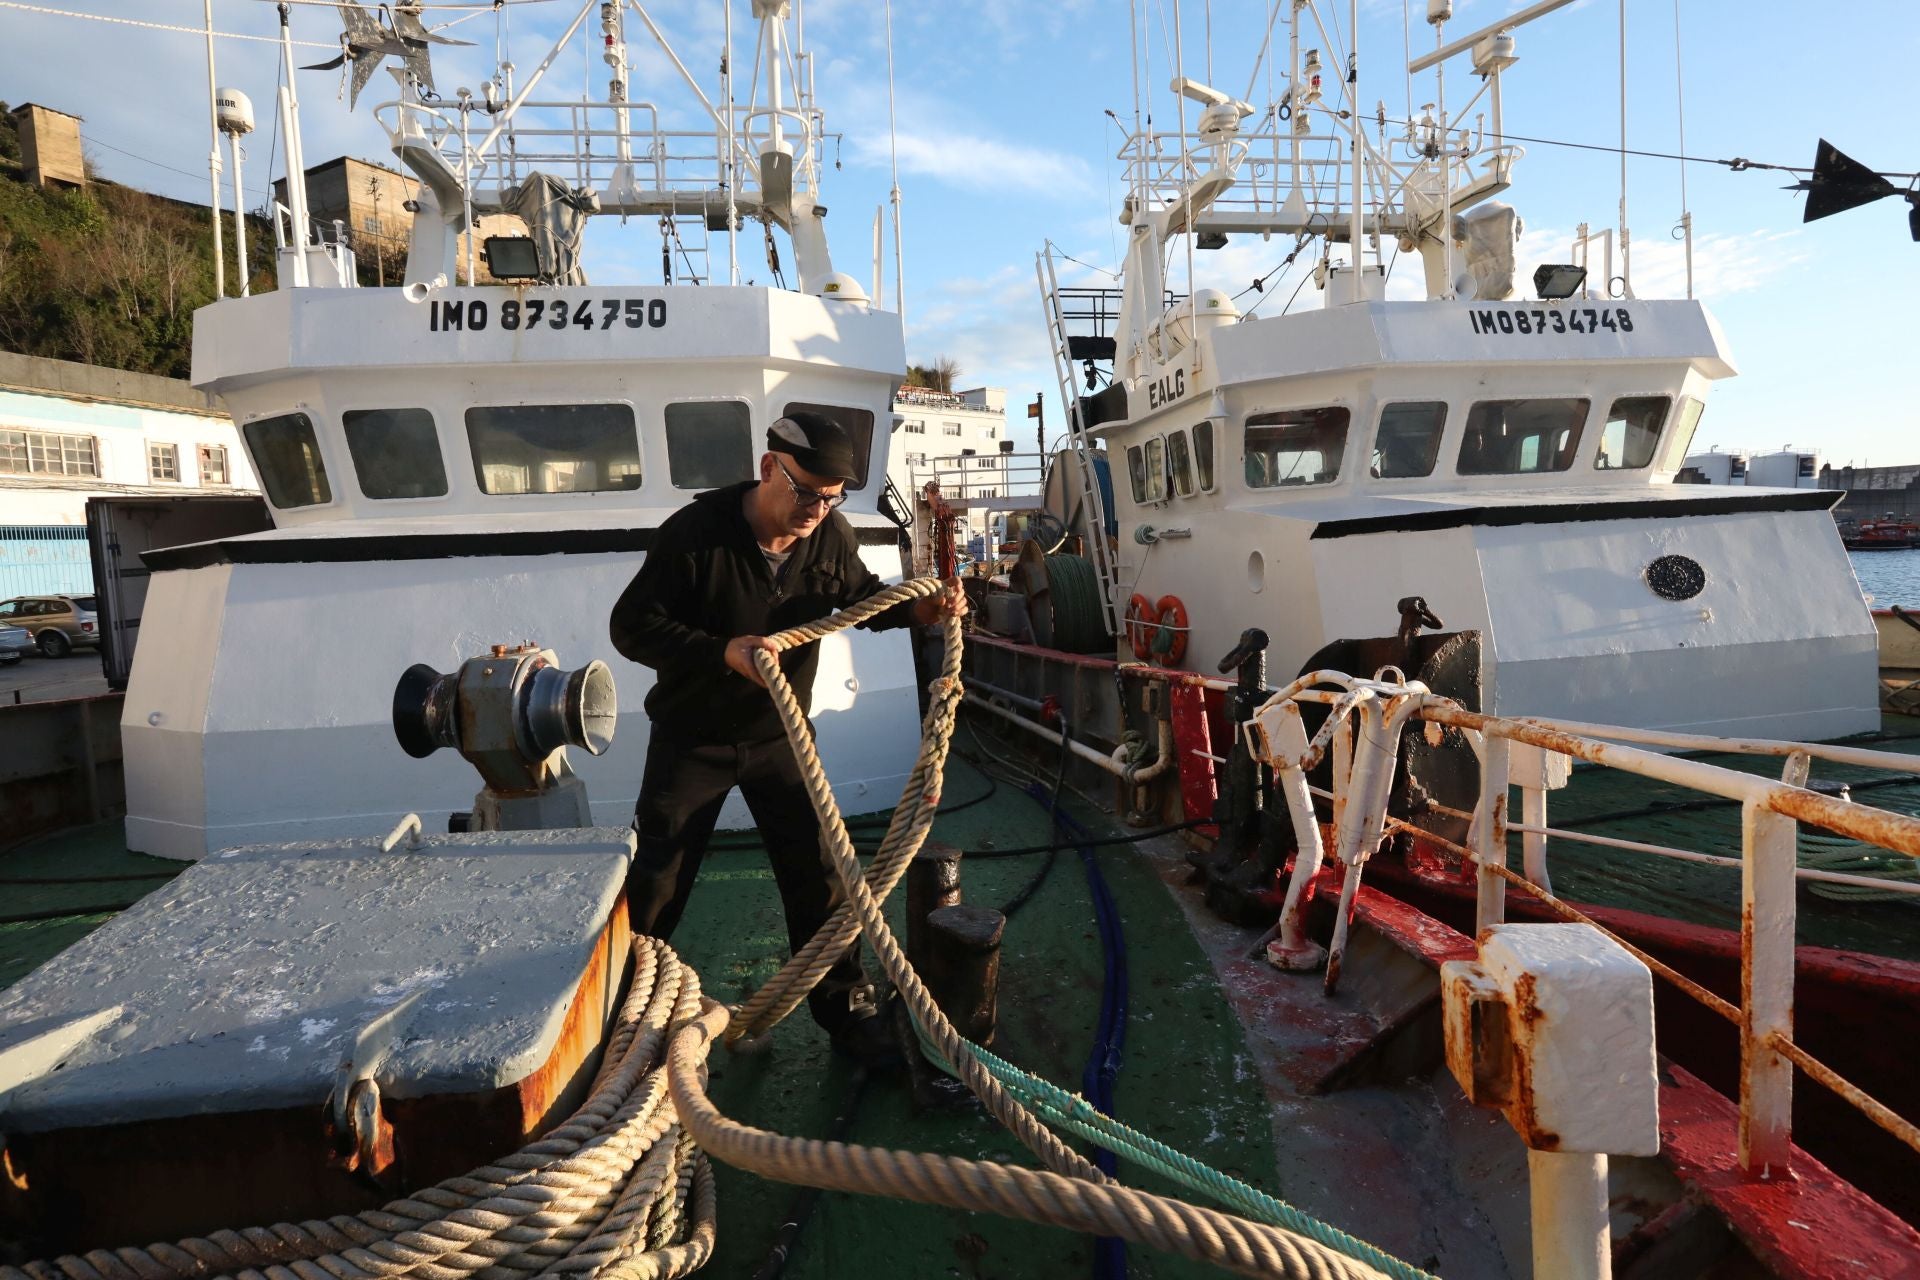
(511, 714)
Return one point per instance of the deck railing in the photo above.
(1362, 733)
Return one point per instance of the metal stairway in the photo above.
(1098, 551)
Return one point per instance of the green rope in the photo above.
(1859, 860)
(1077, 623)
(1074, 1113)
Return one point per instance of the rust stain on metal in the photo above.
(1527, 1008)
(1523, 1112)
(178, 1176)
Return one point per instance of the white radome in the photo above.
(234, 111)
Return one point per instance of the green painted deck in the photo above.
(1411, 1167)
(1185, 1079)
(1709, 895)
(1188, 1077)
(97, 850)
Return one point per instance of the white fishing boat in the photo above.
(450, 466)
(1506, 458)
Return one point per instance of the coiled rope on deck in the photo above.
(618, 1191)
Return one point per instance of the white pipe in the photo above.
(1570, 1232)
(893, 151)
(296, 154)
(1163, 759)
(1716, 860)
(239, 219)
(1891, 761)
(731, 171)
(1508, 23)
(296, 196)
(1356, 221)
(213, 164)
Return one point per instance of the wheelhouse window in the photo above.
(1147, 470)
(1296, 447)
(1632, 432)
(288, 459)
(858, 424)
(1680, 439)
(1203, 455)
(1180, 463)
(1407, 443)
(396, 453)
(709, 443)
(554, 448)
(1522, 437)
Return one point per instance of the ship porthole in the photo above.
(1676, 577)
(1256, 572)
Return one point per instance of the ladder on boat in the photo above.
(684, 248)
(1091, 503)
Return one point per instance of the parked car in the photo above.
(15, 644)
(57, 623)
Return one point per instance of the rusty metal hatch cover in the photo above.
(481, 968)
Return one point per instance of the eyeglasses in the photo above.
(809, 497)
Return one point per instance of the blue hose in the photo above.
(1110, 1037)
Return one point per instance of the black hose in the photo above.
(66, 913)
(751, 839)
(144, 875)
(1032, 886)
(1134, 838)
(803, 1204)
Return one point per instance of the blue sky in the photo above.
(1004, 145)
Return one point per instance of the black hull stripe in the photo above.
(429, 546)
(1573, 513)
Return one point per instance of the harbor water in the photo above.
(1889, 577)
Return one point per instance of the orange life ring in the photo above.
(1172, 614)
(1142, 617)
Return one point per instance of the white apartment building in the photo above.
(957, 437)
(73, 431)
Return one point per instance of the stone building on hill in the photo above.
(370, 202)
(50, 152)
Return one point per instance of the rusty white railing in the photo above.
(1362, 732)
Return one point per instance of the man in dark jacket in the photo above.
(725, 571)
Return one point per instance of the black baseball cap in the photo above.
(816, 442)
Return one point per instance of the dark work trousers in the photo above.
(680, 798)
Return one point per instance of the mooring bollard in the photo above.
(962, 967)
(1553, 1026)
(933, 882)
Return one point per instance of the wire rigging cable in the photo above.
(164, 26)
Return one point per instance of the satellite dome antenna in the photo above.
(233, 112)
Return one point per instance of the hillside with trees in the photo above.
(106, 275)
